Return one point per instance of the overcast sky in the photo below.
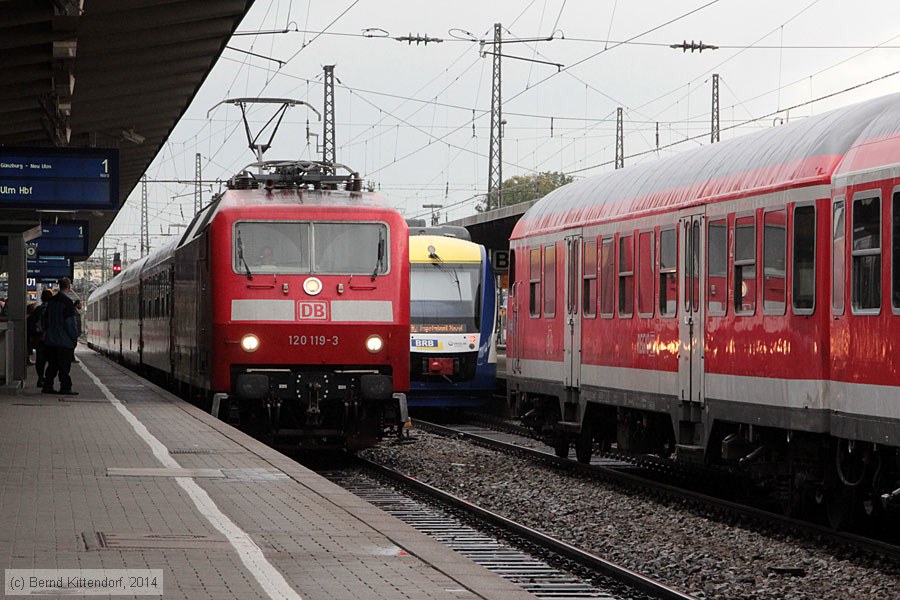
(405, 112)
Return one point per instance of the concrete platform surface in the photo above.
(125, 475)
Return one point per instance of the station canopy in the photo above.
(103, 74)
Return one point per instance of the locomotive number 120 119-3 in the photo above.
(313, 340)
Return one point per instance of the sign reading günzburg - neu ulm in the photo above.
(59, 178)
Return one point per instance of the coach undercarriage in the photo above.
(816, 475)
(845, 481)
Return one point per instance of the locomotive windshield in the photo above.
(345, 248)
(445, 298)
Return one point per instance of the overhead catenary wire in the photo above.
(683, 124)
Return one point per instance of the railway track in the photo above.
(646, 479)
(547, 567)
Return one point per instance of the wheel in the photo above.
(584, 445)
(561, 446)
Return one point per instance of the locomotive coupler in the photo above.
(313, 413)
(891, 500)
(273, 408)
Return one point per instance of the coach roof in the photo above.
(797, 154)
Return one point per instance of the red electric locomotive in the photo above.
(285, 302)
(738, 304)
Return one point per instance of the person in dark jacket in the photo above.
(60, 340)
(36, 334)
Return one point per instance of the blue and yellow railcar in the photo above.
(453, 358)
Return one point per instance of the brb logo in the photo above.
(316, 311)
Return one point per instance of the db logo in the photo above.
(312, 311)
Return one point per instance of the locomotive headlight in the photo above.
(374, 344)
(312, 286)
(250, 343)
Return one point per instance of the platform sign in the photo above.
(59, 178)
(31, 289)
(500, 260)
(63, 239)
(49, 268)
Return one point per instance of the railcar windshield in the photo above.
(445, 297)
(333, 248)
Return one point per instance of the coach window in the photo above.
(838, 247)
(589, 279)
(744, 266)
(866, 255)
(645, 274)
(534, 282)
(717, 268)
(774, 261)
(607, 278)
(626, 276)
(668, 272)
(550, 280)
(803, 291)
(895, 259)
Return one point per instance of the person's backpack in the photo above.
(37, 321)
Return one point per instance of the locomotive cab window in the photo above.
(271, 247)
(589, 279)
(803, 291)
(350, 248)
(866, 256)
(774, 261)
(340, 248)
(668, 273)
(717, 268)
(744, 266)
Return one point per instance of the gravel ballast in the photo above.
(663, 539)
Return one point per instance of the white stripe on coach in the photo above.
(268, 577)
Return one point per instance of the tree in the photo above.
(523, 188)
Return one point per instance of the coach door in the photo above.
(691, 315)
(572, 350)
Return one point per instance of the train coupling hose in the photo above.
(891, 500)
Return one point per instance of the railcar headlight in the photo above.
(374, 344)
(312, 286)
(250, 343)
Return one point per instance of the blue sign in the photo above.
(69, 238)
(50, 268)
(59, 178)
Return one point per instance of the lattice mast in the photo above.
(329, 150)
(495, 161)
(620, 140)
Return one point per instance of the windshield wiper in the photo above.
(240, 251)
(441, 265)
(380, 260)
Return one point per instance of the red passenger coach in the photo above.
(286, 305)
(738, 304)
